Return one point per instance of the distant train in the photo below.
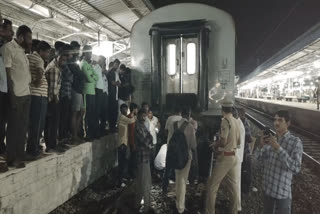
(184, 54)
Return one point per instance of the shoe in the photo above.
(76, 140)
(150, 211)
(171, 182)
(254, 189)
(3, 167)
(123, 185)
(58, 150)
(31, 156)
(20, 165)
(17, 164)
(88, 139)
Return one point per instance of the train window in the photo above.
(191, 58)
(171, 59)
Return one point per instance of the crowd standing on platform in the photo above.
(61, 95)
(66, 97)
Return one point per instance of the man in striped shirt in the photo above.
(53, 75)
(39, 96)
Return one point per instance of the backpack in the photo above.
(178, 151)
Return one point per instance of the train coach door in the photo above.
(179, 64)
(180, 67)
(171, 64)
(189, 65)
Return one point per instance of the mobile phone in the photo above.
(267, 131)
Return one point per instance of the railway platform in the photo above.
(304, 115)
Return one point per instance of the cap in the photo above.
(227, 101)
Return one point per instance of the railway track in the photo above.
(311, 141)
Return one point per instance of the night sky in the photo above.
(263, 27)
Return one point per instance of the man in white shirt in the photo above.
(146, 107)
(19, 79)
(154, 127)
(105, 101)
(169, 128)
(100, 87)
(170, 121)
(113, 84)
(6, 36)
(239, 154)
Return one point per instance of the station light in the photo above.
(35, 8)
(105, 49)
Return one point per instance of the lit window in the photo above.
(191, 58)
(171, 59)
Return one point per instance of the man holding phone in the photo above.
(281, 156)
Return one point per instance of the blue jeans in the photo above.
(38, 112)
(279, 206)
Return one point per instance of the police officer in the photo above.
(226, 162)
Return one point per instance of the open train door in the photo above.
(179, 65)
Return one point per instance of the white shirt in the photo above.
(100, 82)
(154, 128)
(14, 57)
(169, 125)
(3, 77)
(240, 150)
(105, 83)
(117, 79)
(147, 123)
(160, 160)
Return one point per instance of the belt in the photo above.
(228, 153)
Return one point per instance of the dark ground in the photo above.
(102, 196)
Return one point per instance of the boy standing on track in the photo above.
(281, 156)
(123, 123)
(144, 145)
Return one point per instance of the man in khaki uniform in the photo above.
(225, 166)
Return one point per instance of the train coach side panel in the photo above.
(221, 54)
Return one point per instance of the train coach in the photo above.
(184, 54)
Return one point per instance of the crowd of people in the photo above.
(71, 98)
(177, 159)
(54, 93)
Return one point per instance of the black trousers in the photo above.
(246, 176)
(104, 113)
(91, 117)
(100, 105)
(132, 165)
(113, 111)
(18, 120)
(38, 112)
(4, 110)
(65, 118)
(123, 162)
(52, 125)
